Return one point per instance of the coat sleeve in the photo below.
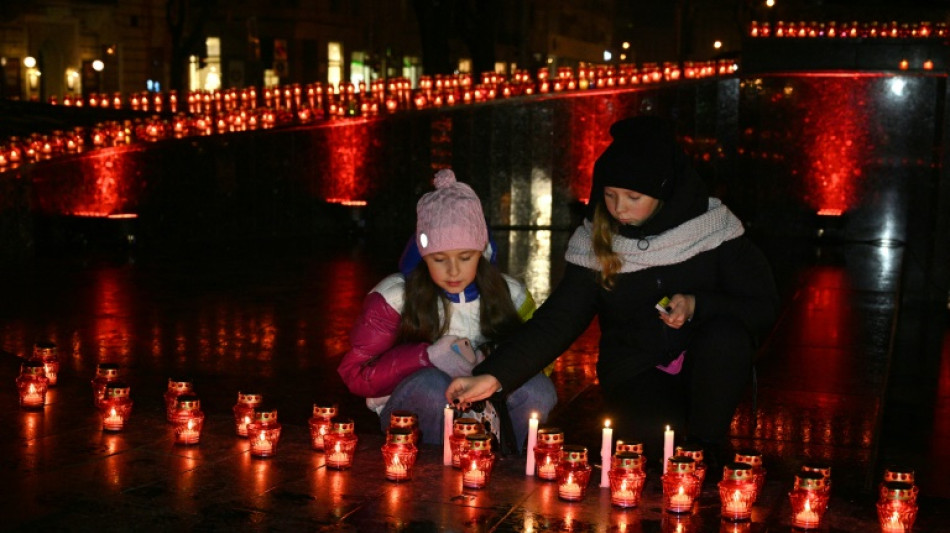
(746, 288)
(374, 364)
(556, 324)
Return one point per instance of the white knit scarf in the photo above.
(691, 238)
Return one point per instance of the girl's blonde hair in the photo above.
(602, 237)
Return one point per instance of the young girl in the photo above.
(653, 233)
(433, 322)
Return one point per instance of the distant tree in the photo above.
(186, 20)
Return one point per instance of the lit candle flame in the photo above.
(262, 439)
(191, 423)
(736, 496)
(607, 423)
(32, 389)
(112, 412)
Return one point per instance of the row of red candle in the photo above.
(892, 30)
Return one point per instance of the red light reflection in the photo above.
(353, 147)
(836, 148)
(590, 131)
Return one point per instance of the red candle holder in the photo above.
(824, 469)
(737, 492)
(244, 411)
(189, 419)
(32, 384)
(399, 454)
(680, 484)
(176, 387)
(45, 352)
(547, 452)
(105, 373)
(809, 500)
(116, 406)
(897, 474)
(691, 450)
(405, 419)
(458, 443)
(626, 479)
(897, 507)
(264, 433)
(573, 473)
(477, 461)
(753, 458)
(339, 444)
(320, 424)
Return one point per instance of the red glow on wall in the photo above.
(101, 184)
(835, 148)
(352, 148)
(590, 131)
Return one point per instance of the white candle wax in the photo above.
(447, 419)
(667, 447)
(532, 442)
(606, 446)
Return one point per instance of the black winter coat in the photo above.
(733, 280)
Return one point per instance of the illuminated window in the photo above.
(334, 64)
(465, 66)
(360, 72)
(411, 69)
(206, 74)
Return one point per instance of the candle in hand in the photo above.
(532, 442)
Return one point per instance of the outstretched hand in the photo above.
(461, 392)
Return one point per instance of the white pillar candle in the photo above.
(667, 446)
(532, 442)
(448, 419)
(606, 446)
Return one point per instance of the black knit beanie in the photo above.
(641, 158)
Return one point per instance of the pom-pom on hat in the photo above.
(450, 217)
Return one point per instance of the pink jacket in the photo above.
(374, 365)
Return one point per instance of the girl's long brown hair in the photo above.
(602, 232)
(420, 321)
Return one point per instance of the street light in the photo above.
(29, 62)
(98, 65)
(717, 44)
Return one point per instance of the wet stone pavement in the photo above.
(275, 320)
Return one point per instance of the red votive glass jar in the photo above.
(243, 411)
(626, 479)
(116, 406)
(737, 492)
(547, 452)
(897, 474)
(45, 352)
(32, 385)
(105, 373)
(680, 484)
(897, 507)
(477, 461)
(809, 500)
(573, 473)
(405, 419)
(176, 387)
(263, 433)
(753, 458)
(632, 446)
(820, 468)
(691, 450)
(189, 419)
(339, 444)
(399, 454)
(461, 428)
(320, 423)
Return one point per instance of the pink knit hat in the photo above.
(450, 217)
